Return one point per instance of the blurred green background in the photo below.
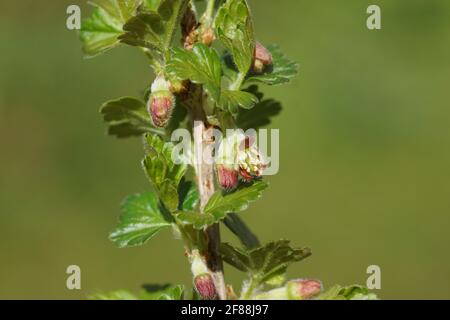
(365, 135)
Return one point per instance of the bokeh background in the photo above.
(365, 136)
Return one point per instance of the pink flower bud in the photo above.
(302, 289)
(161, 103)
(262, 59)
(205, 287)
(227, 177)
(227, 167)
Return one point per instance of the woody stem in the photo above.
(205, 179)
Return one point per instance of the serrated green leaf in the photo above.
(353, 292)
(201, 65)
(141, 218)
(241, 230)
(260, 115)
(127, 117)
(144, 30)
(220, 205)
(154, 29)
(162, 170)
(122, 108)
(281, 71)
(265, 262)
(236, 257)
(235, 29)
(162, 292)
(274, 258)
(231, 101)
(120, 10)
(99, 33)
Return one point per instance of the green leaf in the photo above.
(196, 219)
(162, 170)
(265, 262)
(178, 116)
(113, 295)
(231, 101)
(235, 29)
(201, 65)
(282, 70)
(151, 5)
(260, 115)
(127, 117)
(353, 292)
(241, 230)
(220, 205)
(150, 292)
(162, 292)
(154, 29)
(119, 10)
(188, 196)
(100, 32)
(140, 220)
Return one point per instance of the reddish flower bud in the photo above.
(302, 289)
(262, 58)
(227, 167)
(161, 103)
(204, 284)
(208, 36)
(227, 177)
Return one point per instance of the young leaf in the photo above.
(100, 32)
(162, 292)
(235, 29)
(201, 65)
(188, 196)
(154, 29)
(140, 220)
(260, 115)
(231, 101)
(282, 70)
(114, 295)
(150, 292)
(162, 170)
(127, 117)
(196, 219)
(241, 230)
(265, 262)
(220, 205)
(120, 10)
(354, 292)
